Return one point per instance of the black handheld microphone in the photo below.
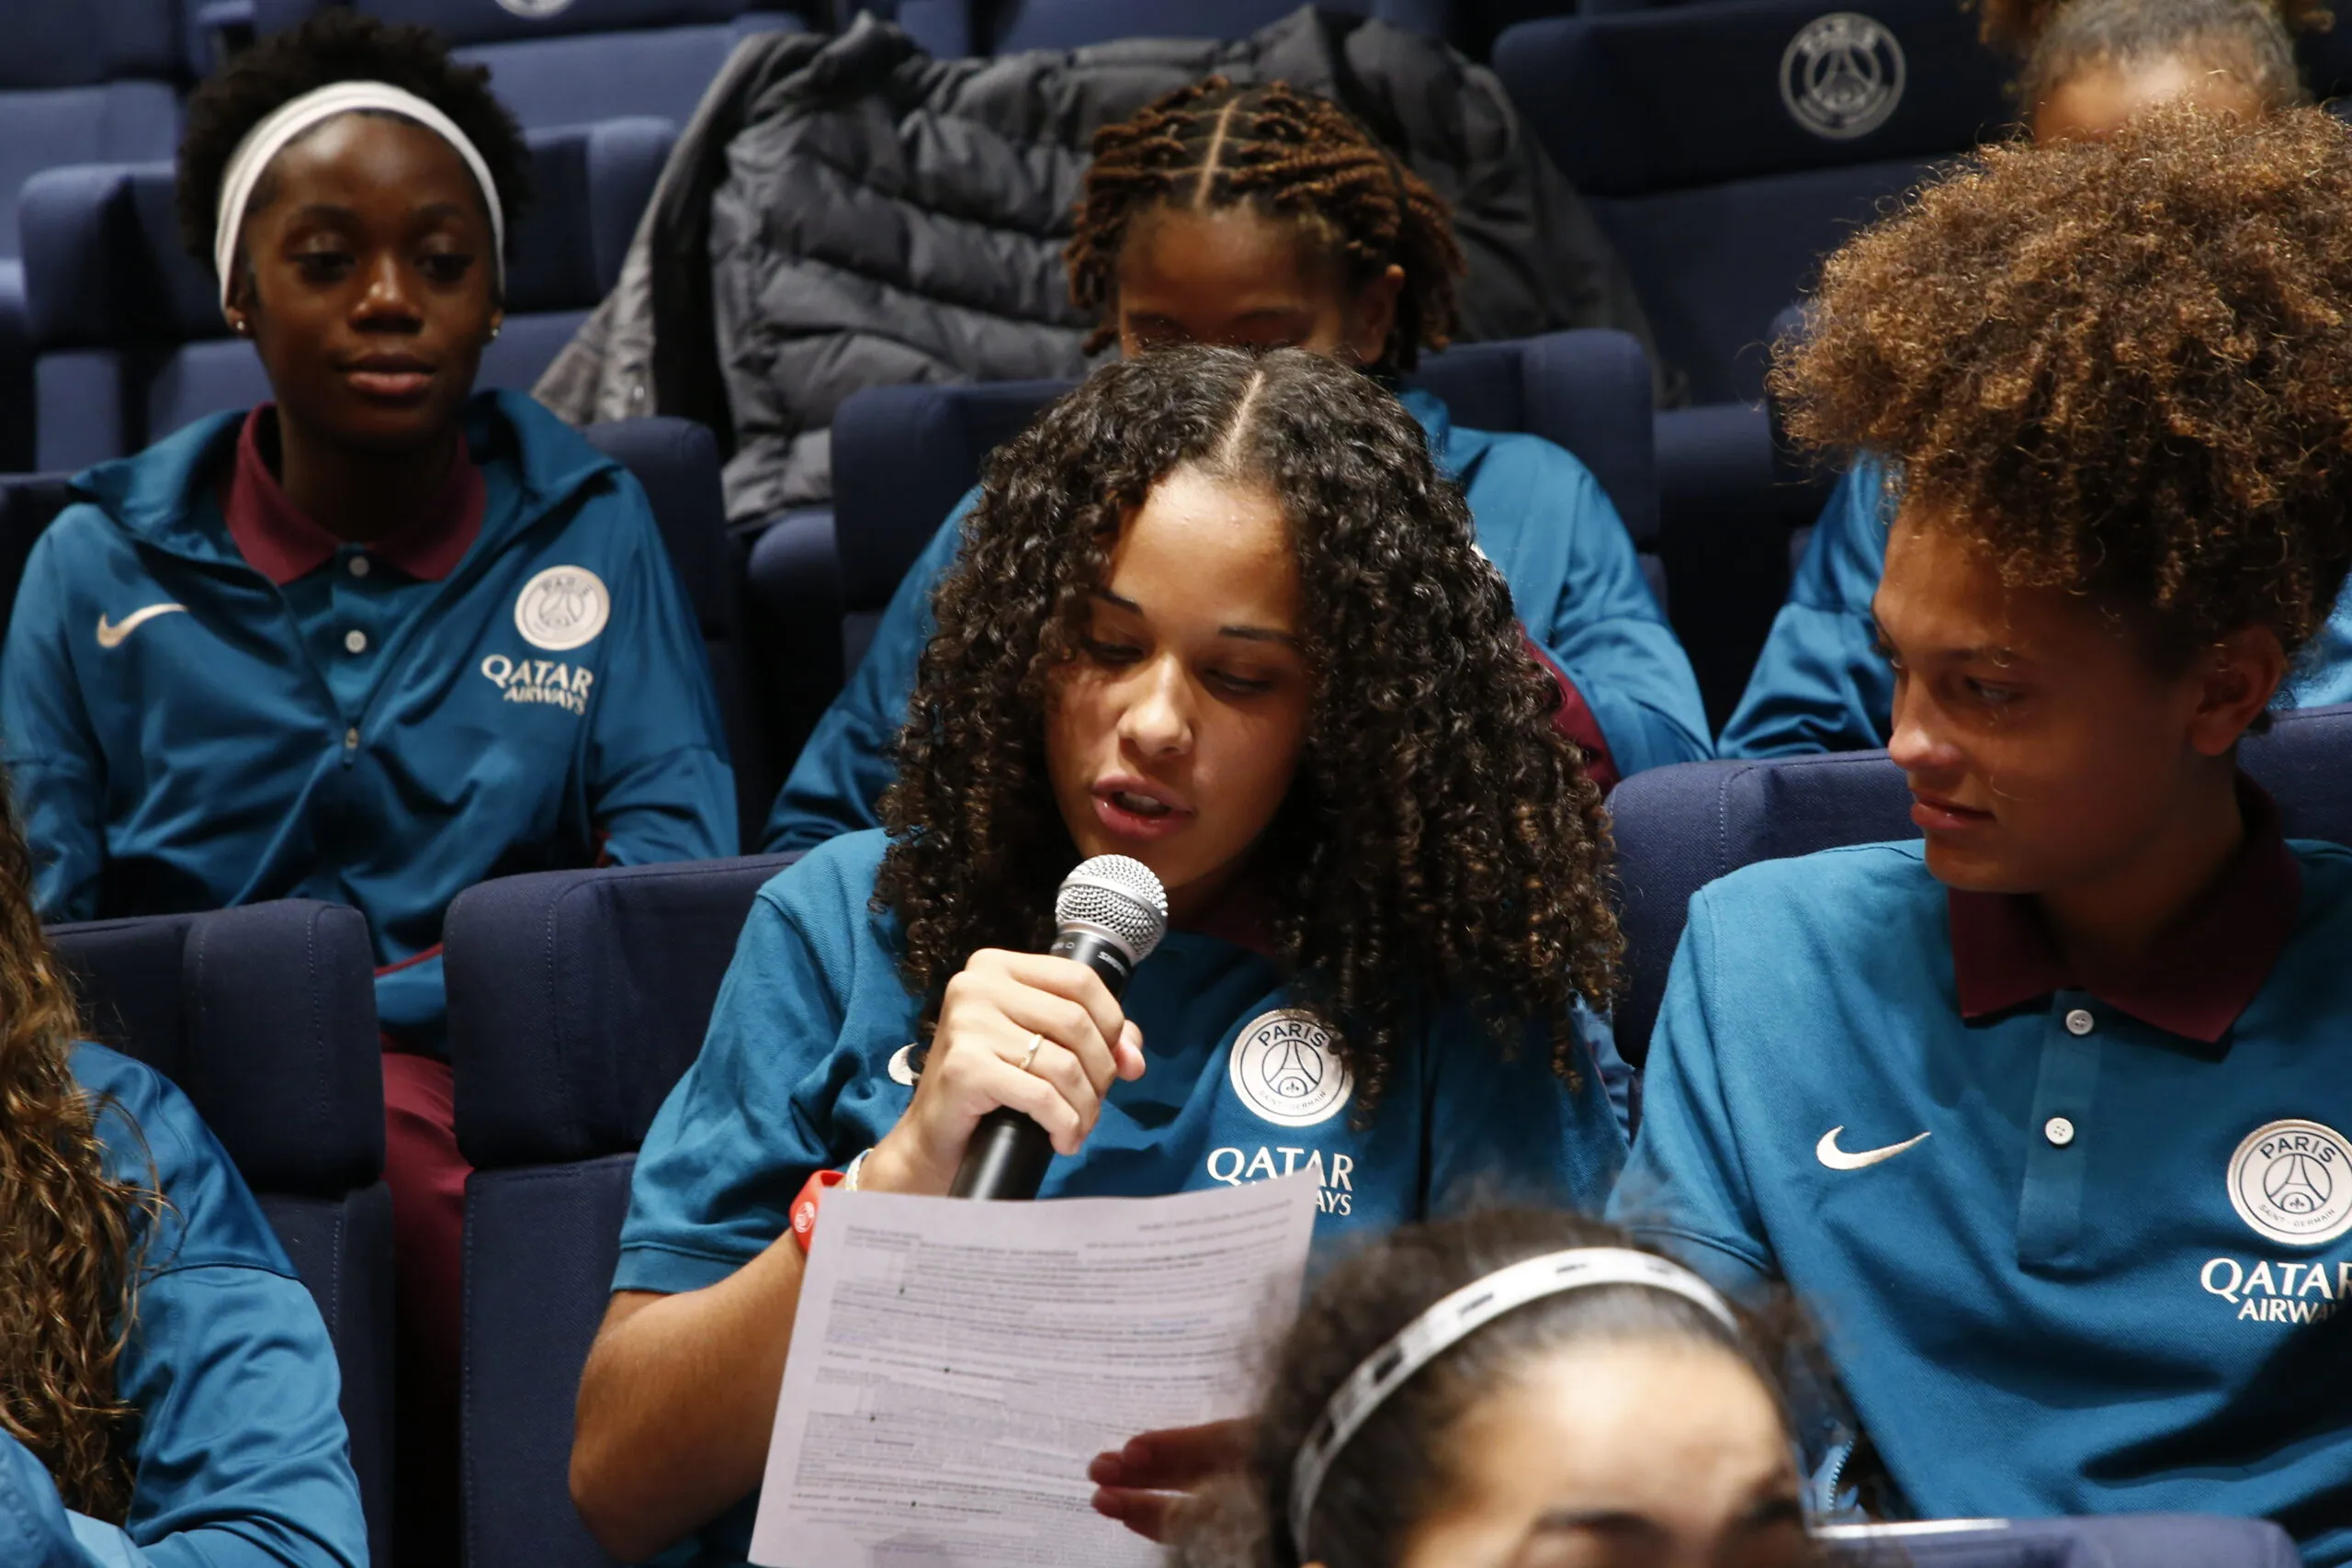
(1111, 913)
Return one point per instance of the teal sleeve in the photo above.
(658, 785)
(1611, 639)
(1506, 1125)
(1821, 684)
(1685, 1188)
(838, 780)
(740, 1133)
(54, 759)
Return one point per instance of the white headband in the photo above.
(270, 138)
(1465, 1312)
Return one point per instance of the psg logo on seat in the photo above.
(1842, 75)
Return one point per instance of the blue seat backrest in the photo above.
(80, 84)
(265, 1016)
(554, 63)
(1681, 828)
(2142, 1540)
(128, 325)
(576, 999)
(1727, 147)
(677, 462)
(903, 456)
(1009, 25)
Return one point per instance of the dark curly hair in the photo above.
(1290, 154)
(1440, 838)
(338, 45)
(1396, 1470)
(2057, 39)
(2121, 364)
(69, 1232)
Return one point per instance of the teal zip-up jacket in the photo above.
(1542, 518)
(186, 734)
(1821, 684)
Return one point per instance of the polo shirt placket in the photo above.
(2062, 1135)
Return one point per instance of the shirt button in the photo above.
(351, 738)
(359, 566)
(2078, 1021)
(2059, 1131)
(356, 641)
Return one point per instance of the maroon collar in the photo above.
(2200, 977)
(281, 543)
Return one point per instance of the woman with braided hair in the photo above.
(1222, 614)
(1262, 216)
(2088, 68)
(167, 1389)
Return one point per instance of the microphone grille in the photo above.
(1115, 894)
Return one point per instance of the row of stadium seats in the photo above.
(578, 997)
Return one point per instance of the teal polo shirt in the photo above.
(239, 1450)
(2073, 1252)
(1821, 684)
(808, 1061)
(208, 701)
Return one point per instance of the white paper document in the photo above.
(955, 1366)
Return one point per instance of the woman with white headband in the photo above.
(1512, 1389)
(377, 641)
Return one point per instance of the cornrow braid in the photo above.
(1291, 155)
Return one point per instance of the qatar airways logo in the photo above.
(546, 680)
(2282, 1292)
(1335, 1183)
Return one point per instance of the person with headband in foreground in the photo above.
(1219, 613)
(1259, 215)
(379, 638)
(2046, 1117)
(1511, 1389)
(167, 1389)
(2089, 67)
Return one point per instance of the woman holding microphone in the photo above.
(1221, 614)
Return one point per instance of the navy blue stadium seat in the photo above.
(85, 83)
(677, 462)
(2140, 1540)
(127, 326)
(1727, 147)
(1681, 828)
(949, 27)
(28, 503)
(576, 999)
(554, 63)
(266, 1018)
(903, 456)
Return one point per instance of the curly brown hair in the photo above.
(1289, 153)
(1397, 1469)
(2121, 364)
(2056, 40)
(1441, 840)
(67, 1228)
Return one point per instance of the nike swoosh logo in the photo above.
(112, 632)
(1829, 1154)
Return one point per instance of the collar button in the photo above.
(2080, 1022)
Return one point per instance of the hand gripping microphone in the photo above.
(1111, 913)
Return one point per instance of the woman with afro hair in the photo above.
(167, 1389)
(2046, 1116)
(2088, 68)
(377, 639)
(1221, 613)
(1260, 216)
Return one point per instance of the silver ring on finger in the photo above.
(1030, 1056)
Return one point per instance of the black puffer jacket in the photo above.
(847, 212)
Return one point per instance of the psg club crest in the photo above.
(1842, 75)
(533, 10)
(2292, 1182)
(1286, 1068)
(562, 608)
